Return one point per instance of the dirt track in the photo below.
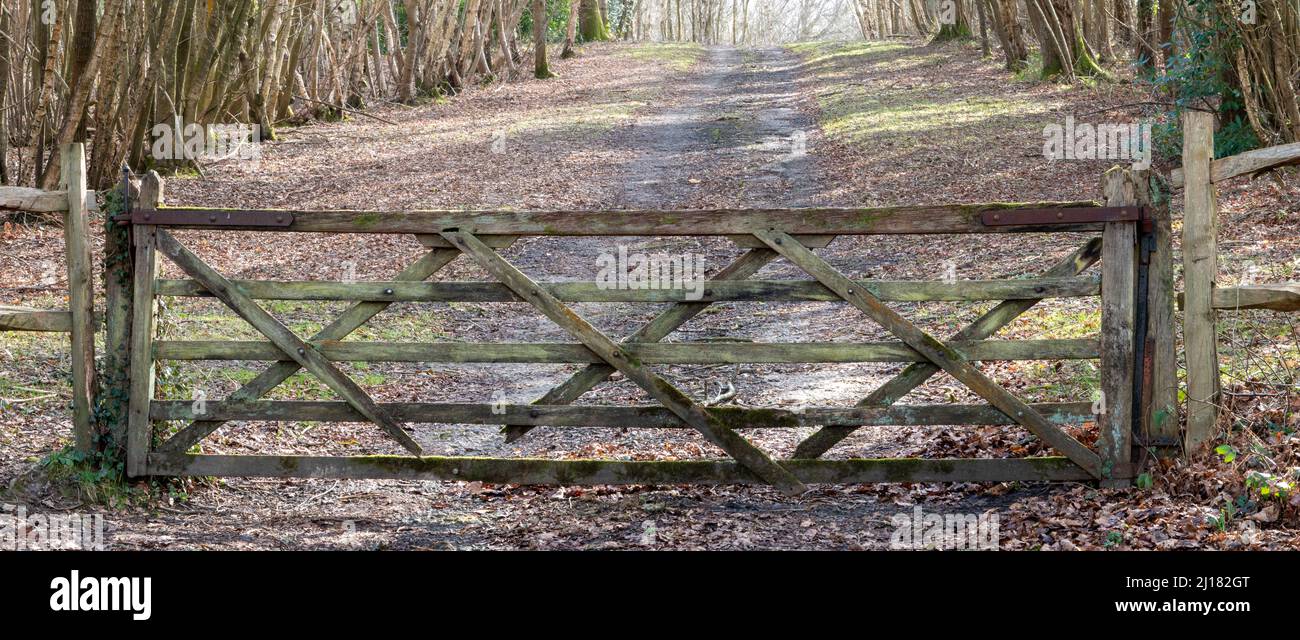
(736, 130)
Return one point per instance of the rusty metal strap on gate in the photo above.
(1065, 215)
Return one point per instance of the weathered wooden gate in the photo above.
(767, 235)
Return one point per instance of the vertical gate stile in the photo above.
(144, 269)
(1160, 428)
(139, 428)
(1118, 329)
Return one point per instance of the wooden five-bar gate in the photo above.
(1123, 287)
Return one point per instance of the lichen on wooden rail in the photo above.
(38, 201)
(24, 319)
(536, 471)
(920, 219)
(649, 353)
(1274, 297)
(747, 290)
(1254, 161)
(646, 416)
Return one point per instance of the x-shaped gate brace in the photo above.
(940, 356)
(893, 390)
(349, 321)
(302, 355)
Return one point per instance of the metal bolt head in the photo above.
(388, 292)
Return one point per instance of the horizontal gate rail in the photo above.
(649, 417)
(618, 472)
(650, 353)
(743, 291)
(963, 218)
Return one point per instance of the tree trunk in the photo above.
(1066, 52)
(1146, 52)
(571, 31)
(1166, 17)
(591, 22)
(984, 29)
(540, 68)
(83, 43)
(1101, 19)
(1006, 25)
(953, 21)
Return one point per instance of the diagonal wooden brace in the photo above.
(679, 403)
(354, 318)
(655, 330)
(294, 347)
(917, 373)
(940, 354)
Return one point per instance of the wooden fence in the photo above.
(1202, 298)
(1136, 347)
(74, 201)
(1128, 337)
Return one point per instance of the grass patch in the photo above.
(593, 118)
(1032, 71)
(859, 114)
(89, 477)
(820, 54)
(907, 109)
(1044, 323)
(678, 56)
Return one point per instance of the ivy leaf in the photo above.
(1227, 452)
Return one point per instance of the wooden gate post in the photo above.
(1160, 413)
(141, 382)
(81, 295)
(119, 266)
(1200, 266)
(1118, 291)
(1155, 359)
